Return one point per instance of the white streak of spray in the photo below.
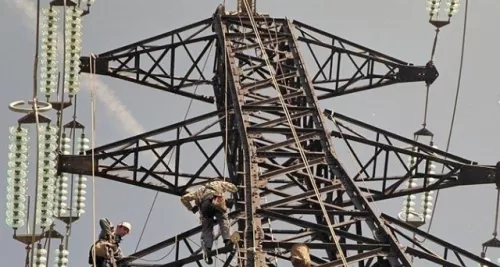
(105, 94)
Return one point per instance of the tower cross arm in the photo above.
(172, 62)
(339, 66)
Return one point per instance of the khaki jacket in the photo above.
(207, 191)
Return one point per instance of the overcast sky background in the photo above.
(398, 28)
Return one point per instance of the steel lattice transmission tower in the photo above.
(265, 100)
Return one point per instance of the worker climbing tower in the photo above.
(279, 142)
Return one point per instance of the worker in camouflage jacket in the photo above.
(107, 247)
(209, 200)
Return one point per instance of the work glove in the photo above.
(195, 209)
(111, 226)
(229, 203)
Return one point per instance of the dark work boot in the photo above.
(208, 259)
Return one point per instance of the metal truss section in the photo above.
(435, 251)
(271, 159)
(183, 248)
(277, 242)
(343, 67)
(276, 205)
(171, 62)
(156, 159)
(381, 162)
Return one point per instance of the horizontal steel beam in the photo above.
(154, 62)
(452, 255)
(370, 69)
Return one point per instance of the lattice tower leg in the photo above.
(261, 121)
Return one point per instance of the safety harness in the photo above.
(105, 248)
(219, 203)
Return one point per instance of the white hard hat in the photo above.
(126, 225)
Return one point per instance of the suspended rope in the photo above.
(353, 159)
(277, 250)
(370, 196)
(225, 112)
(244, 180)
(226, 134)
(199, 247)
(495, 225)
(163, 257)
(72, 134)
(280, 67)
(168, 163)
(428, 85)
(455, 104)
(294, 133)
(37, 125)
(92, 142)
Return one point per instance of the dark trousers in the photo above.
(100, 262)
(208, 213)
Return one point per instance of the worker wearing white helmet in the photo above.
(107, 248)
(123, 229)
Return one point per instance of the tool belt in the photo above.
(104, 249)
(300, 255)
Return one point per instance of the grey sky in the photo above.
(398, 28)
